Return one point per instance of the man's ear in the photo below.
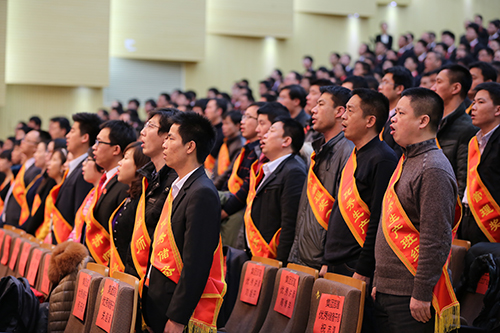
(85, 138)
(372, 120)
(117, 150)
(191, 147)
(340, 111)
(424, 121)
(287, 142)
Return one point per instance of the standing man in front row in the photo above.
(185, 284)
(415, 231)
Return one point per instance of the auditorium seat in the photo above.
(101, 269)
(459, 249)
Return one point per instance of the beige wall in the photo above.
(3, 31)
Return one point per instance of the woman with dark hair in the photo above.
(5, 168)
(121, 223)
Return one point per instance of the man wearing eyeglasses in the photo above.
(111, 141)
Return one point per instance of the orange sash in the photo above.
(1, 188)
(36, 204)
(209, 163)
(19, 193)
(485, 209)
(115, 262)
(223, 160)
(354, 210)
(97, 237)
(234, 182)
(140, 244)
(167, 259)
(320, 200)
(404, 240)
(82, 212)
(256, 242)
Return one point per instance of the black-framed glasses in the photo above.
(149, 124)
(245, 116)
(97, 143)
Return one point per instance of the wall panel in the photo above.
(364, 8)
(158, 29)
(3, 32)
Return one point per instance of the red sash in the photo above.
(115, 262)
(167, 259)
(97, 237)
(140, 244)
(234, 182)
(485, 209)
(223, 160)
(354, 210)
(256, 242)
(404, 240)
(19, 193)
(320, 200)
(82, 212)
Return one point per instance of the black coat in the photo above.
(195, 224)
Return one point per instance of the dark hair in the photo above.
(221, 104)
(298, 77)
(489, 72)
(89, 124)
(372, 82)
(90, 152)
(321, 83)
(493, 89)
(201, 103)
(449, 33)
(197, 128)
(152, 102)
(165, 115)
(430, 73)
(249, 95)
(225, 96)
(167, 96)
(258, 104)
(267, 84)
(6, 154)
(63, 123)
(375, 104)
(496, 23)
(190, 95)
(294, 130)
(63, 154)
(45, 137)
(120, 133)
(273, 110)
(135, 101)
(401, 76)
(36, 120)
(59, 143)
(269, 97)
(423, 42)
(214, 90)
(475, 27)
(308, 57)
(357, 81)
(366, 67)
(140, 160)
(459, 74)
(426, 102)
(488, 50)
(234, 116)
(296, 91)
(339, 95)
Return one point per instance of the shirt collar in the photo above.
(73, 163)
(179, 183)
(29, 163)
(483, 139)
(110, 174)
(270, 166)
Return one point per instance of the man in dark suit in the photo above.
(74, 188)
(384, 37)
(17, 207)
(481, 224)
(186, 237)
(275, 190)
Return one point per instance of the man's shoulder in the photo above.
(292, 163)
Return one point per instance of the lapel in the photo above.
(273, 175)
(185, 188)
(492, 141)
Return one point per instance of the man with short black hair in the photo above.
(186, 251)
(480, 72)
(427, 80)
(214, 110)
(59, 127)
(164, 100)
(455, 130)
(292, 78)
(448, 38)
(35, 122)
(133, 104)
(354, 82)
(293, 97)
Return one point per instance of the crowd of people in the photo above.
(354, 171)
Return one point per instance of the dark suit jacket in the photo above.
(113, 195)
(13, 210)
(389, 139)
(277, 202)
(71, 194)
(388, 44)
(196, 225)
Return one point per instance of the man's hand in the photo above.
(374, 293)
(362, 278)
(323, 271)
(223, 215)
(420, 310)
(173, 327)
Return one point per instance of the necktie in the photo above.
(101, 185)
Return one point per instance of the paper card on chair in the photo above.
(6, 250)
(15, 253)
(329, 314)
(23, 260)
(482, 285)
(45, 276)
(34, 263)
(287, 292)
(81, 295)
(252, 283)
(107, 306)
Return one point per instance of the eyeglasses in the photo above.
(97, 143)
(150, 125)
(245, 116)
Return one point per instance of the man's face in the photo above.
(249, 123)
(443, 87)
(148, 107)
(428, 81)
(345, 60)
(263, 125)
(212, 112)
(477, 78)
(273, 141)
(290, 78)
(419, 49)
(484, 112)
(405, 125)
(55, 131)
(470, 34)
(353, 121)
(324, 114)
(431, 62)
(483, 55)
(74, 138)
(285, 100)
(447, 40)
(347, 85)
(151, 140)
(334, 59)
(491, 29)
(312, 98)
(401, 41)
(29, 143)
(358, 70)
(174, 151)
(229, 129)
(162, 102)
(387, 87)
(104, 151)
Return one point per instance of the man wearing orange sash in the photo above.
(481, 221)
(17, 207)
(274, 192)
(158, 178)
(184, 285)
(415, 231)
(355, 215)
(331, 151)
(216, 107)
